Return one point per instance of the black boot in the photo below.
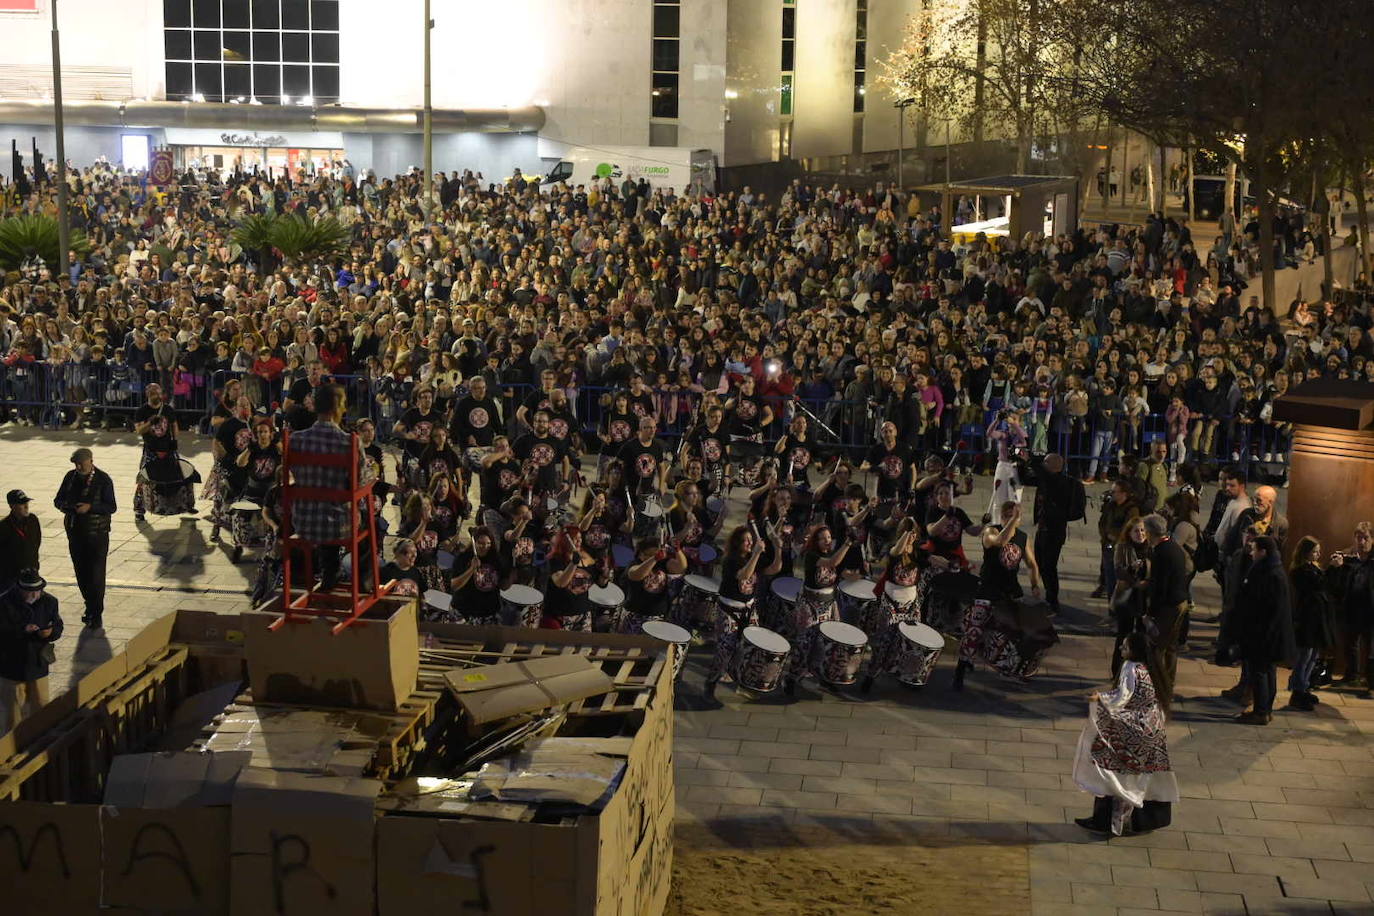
(708, 694)
(959, 671)
(867, 684)
(1101, 821)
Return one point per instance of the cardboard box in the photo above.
(291, 843)
(371, 664)
(499, 691)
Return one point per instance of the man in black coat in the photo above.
(86, 499)
(1053, 499)
(20, 539)
(1167, 606)
(29, 622)
(1262, 628)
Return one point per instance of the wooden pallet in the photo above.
(407, 733)
(633, 670)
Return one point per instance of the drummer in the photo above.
(410, 581)
(832, 496)
(372, 453)
(545, 458)
(501, 475)
(257, 465)
(439, 458)
(775, 510)
(1004, 548)
(708, 443)
(946, 525)
(821, 560)
(476, 418)
(690, 522)
(476, 578)
(227, 478)
(156, 422)
(566, 604)
(645, 459)
(741, 582)
(618, 425)
(894, 464)
(646, 581)
(897, 600)
(519, 531)
(796, 451)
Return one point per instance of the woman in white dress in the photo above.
(1123, 753)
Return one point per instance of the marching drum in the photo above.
(705, 556)
(918, 649)
(782, 601)
(622, 555)
(838, 652)
(858, 601)
(474, 456)
(648, 518)
(760, 659)
(608, 606)
(246, 524)
(696, 603)
(168, 485)
(522, 606)
(664, 631)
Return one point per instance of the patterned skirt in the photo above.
(983, 639)
(885, 639)
(800, 629)
(729, 623)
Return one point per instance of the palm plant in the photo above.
(22, 237)
(300, 237)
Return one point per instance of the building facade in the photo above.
(755, 81)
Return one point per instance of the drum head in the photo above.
(863, 589)
(668, 632)
(766, 640)
(522, 595)
(787, 588)
(651, 510)
(188, 470)
(244, 505)
(715, 505)
(844, 633)
(706, 554)
(610, 595)
(623, 555)
(703, 583)
(900, 593)
(922, 635)
(445, 560)
(440, 601)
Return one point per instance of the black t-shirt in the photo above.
(233, 437)
(303, 393)
(546, 453)
(710, 445)
(563, 427)
(816, 574)
(730, 585)
(500, 481)
(262, 466)
(893, 467)
(1000, 566)
(537, 400)
(642, 405)
(409, 582)
(442, 462)
(481, 597)
(796, 457)
(571, 601)
(947, 526)
(621, 427)
(649, 596)
(642, 462)
(748, 414)
(159, 437)
(476, 420)
(419, 424)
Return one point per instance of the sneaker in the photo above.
(1235, 456)
(140, 518)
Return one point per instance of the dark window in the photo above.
(266, 14)
(665, 54)
(859, 91)
(207, 45)
(788, 56)
(324, 14)
(324, 48)
(238, 46)
(326, 82)
(295, 82)
(860, 55)
(236, 14)
(176, 14)
(295, 14)
(205, 14)
(666, 21)
(266, 82)
(295, 46)
(238, 81)
(664, 95)
(789, 23)
(177, 43)
(208, 82)
(178, 81)
(785, 103)
(266, 46)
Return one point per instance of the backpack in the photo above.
(1078, 502)
(1207, 554)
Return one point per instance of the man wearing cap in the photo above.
(20, 538)
(87, 500)
(29, 624)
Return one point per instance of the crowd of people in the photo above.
(561, 388)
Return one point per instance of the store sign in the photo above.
(251, 139)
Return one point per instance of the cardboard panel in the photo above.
(173, 860)
(435, 865)
(497, 691)
(206, 628)
(302, 845)
(371, 664)
(152, 638)
(49, 859)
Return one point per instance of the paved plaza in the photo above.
(1278, 819)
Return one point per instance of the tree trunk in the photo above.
(1163, 181)
(1192, 192)
(1149, 180)
(1228, 206)
(1259, 184)
(978, 84)
(1022, 148)
(1361, 215)
(1107, 174)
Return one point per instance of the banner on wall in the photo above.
(160, 169)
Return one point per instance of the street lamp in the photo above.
(63, 239)
(428, 189)
(901, 105)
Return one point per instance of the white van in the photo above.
(673, 167)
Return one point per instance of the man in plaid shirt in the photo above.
(326, 521)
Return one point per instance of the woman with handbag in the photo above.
(1131, 560)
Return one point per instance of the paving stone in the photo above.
(1113, 895)
(1190, 860)
(1130, 876)
(1279, 866)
